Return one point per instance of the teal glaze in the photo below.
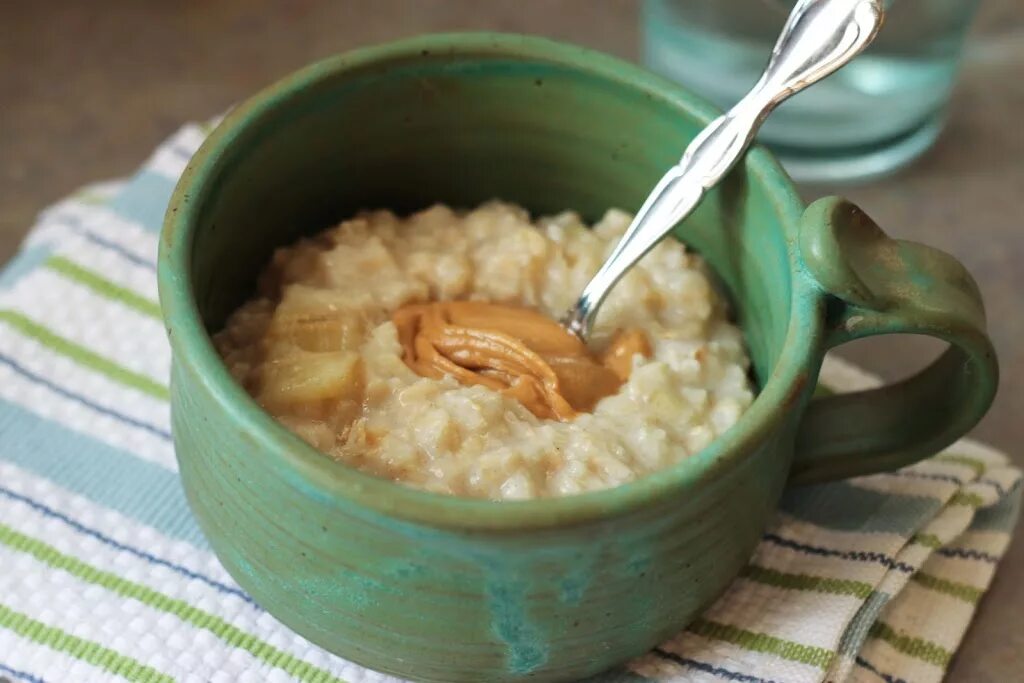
(440, 588)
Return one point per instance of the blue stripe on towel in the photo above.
(117, 479)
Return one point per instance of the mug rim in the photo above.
(317, 474)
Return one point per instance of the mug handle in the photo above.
(878, 285)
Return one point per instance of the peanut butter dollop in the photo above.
(517, 351)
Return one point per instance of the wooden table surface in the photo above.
(88, 89)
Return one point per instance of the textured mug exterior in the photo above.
(438, 588)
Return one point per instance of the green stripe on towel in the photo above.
(961, 591)
(807, 582)
(927, 540)
(918, 648)
(85, 650)
(759, 642)
(103, 286)
(84, 356)
(979, 466)
(970, 499)
(90, 197)
(232, 635)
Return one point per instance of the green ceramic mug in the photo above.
(446, 589)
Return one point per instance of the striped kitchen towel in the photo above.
(104, 575)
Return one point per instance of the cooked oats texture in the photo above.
(317, 349)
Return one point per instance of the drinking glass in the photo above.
(870, 118)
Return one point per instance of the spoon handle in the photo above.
(819, 37)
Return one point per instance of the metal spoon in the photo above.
(819, 37)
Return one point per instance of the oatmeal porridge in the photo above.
(327, 348)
